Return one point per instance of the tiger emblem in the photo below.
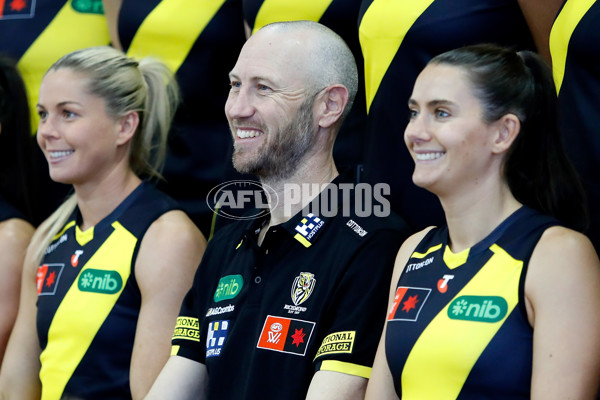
(303, 287)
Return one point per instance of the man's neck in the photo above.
(289, 196)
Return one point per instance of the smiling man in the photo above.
(289, 305)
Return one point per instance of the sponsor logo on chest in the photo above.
(285, 335)
(478, 308)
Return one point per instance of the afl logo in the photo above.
(232, 199)
(276, 327)
(303, 287)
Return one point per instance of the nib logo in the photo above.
(100, 281)
(478, 308)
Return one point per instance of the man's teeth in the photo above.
(243, 134)
(58, 154)
(429, 156)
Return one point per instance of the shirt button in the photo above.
(257, 280)
(267, 251)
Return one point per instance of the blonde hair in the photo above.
(125, 84)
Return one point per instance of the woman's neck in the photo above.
(472, 217)
(97, 201)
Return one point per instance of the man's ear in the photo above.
(508, 127)
(126, 127)
(333, 103)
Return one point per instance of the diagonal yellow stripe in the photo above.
(289, 10)
(560, 36)
(449, 338)
(68, 31)
(381, 33)
(171, 29)
(80, 315)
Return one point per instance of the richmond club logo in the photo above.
(303, 287)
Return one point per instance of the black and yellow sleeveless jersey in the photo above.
(341, 16)
(39, 32)
(89, 301)
(458, 327)
(36, 33)
(200, 41)
(576, 65)
(398, 38)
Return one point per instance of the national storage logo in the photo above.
(478, 308)
(100, 281)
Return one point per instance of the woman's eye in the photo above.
(441, 114)
(68, 114)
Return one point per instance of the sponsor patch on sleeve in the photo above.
(337, 343)
(408, 303)
(187, 328)
(47, 278)
(285, 335)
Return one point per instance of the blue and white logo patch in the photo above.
(308, 228)
(217, 333)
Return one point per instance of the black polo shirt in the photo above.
(312, 297)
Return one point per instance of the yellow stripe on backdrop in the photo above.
(70, 30)
(381, 33)
(81, 314)
(182, 21)
(289, 10)
(560, 36)
(449, 337)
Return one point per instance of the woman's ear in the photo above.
(509, 127)
(126, 127)
(334, 101)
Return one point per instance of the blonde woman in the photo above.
(106, 273)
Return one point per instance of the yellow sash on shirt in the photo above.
(68, 31)
(289, 10)
(381, 33)
(171, 29)
(560, 36)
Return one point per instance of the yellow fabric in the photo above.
(289, 10)
(67, 32)
(81, 314)
(171, 29)
(450, 337)
(563, 28)
(346, 368)
(381, 36)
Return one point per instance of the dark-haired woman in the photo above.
(15, 185)
(502, 301)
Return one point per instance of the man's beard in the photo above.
(280, 157)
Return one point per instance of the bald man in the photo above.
(289, 304)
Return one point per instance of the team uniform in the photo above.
(576, 65)
(311, 297)
(458, 327)
(200, 41)
(341, 16)
(36, 33)
(398, 38)
(89, 301)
